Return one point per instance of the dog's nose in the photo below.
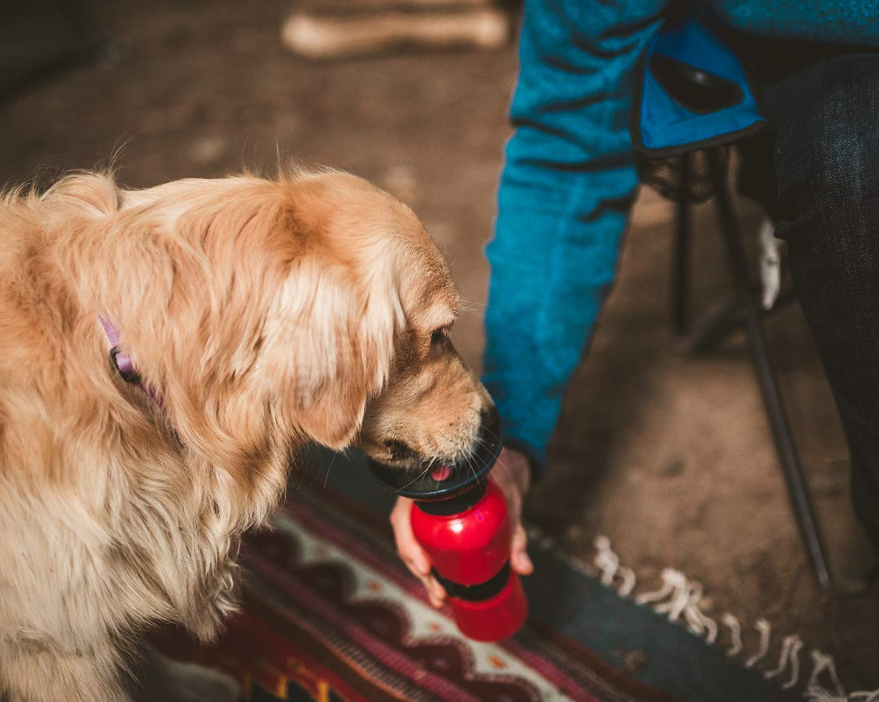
(491, 420)
(489, 438)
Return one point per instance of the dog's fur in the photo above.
(264, 313)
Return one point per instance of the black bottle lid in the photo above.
(443, 482)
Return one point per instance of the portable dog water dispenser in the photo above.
(460, 519)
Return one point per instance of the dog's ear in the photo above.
(329, 346)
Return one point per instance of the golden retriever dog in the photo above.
(253, 316)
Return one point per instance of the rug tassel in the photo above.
(735, 633)
(606, 560)
(821, 695)
(790, 649)
(765, 631)
(679, 597)
(609, 564)
(698, 622)
(629, 581)
(660, 594)
(822, 662)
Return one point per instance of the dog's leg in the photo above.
(165, 680)
(28, 674)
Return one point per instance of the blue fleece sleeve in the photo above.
(566, 190)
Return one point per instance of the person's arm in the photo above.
(565, 195)
(564, 199)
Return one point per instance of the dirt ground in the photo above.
(670, 456)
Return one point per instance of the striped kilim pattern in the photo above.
(330, 615)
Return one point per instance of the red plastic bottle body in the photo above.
(471, 548)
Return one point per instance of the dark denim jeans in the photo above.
(825, 119)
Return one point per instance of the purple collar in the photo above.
(123, 363)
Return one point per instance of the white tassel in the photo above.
(794, 665)
(822, 695)
(606, 560)
(664, 591)
(823, 662)
(697, 621)
(629, 581)
(765, 631)
(691, 611)
(679, 597)
(608, 563)
(735, 633)
(790, 649)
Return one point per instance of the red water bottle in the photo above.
(460, 519)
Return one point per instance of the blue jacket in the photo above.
(569, 181)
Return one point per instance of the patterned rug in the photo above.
(331, 615)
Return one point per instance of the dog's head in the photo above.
(360, 332)
(262, 311)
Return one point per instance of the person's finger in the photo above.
(411, 552)
(519, 559)
(435, 592)
(413, 555)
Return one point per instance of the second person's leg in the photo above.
(827, 166)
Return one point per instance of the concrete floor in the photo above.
(668, 455)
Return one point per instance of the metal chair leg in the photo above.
(725, 319)
(681, 264)
(714, 328)
(787, 453)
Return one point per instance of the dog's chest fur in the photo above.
(106, 542)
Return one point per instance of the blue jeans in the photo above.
(826, 157)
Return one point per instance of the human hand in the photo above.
(513, 476)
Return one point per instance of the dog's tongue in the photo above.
(442, 472)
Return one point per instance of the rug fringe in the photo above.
(790, 649)
(735, 634)
(682, 600)
(765, 630)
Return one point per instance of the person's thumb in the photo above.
(519, 559)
